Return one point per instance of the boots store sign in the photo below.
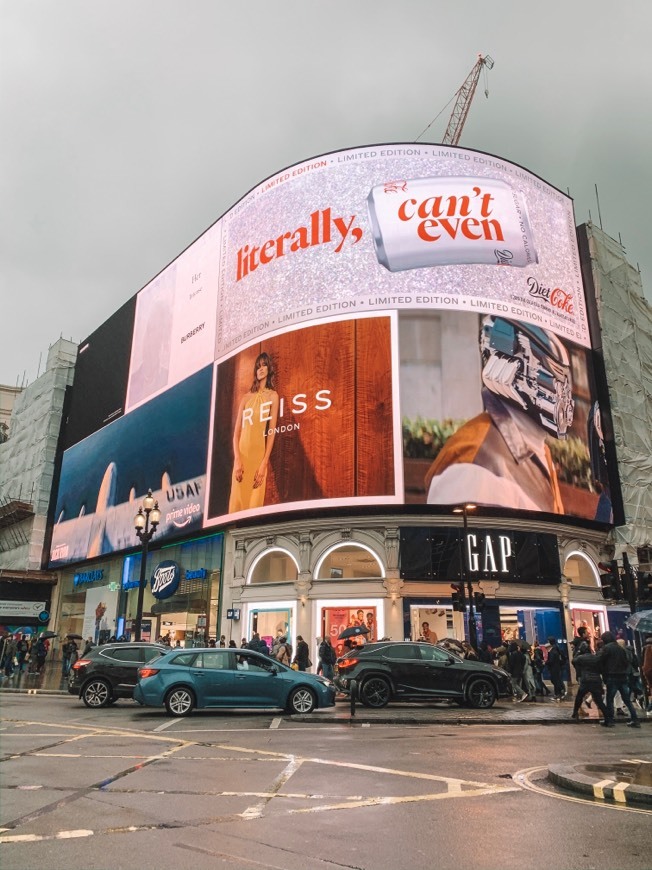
(484, 554)
(165, 579)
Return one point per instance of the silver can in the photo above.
(445, 221)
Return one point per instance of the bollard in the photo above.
(354, 692)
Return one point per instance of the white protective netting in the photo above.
(626, 323)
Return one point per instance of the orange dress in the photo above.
(252, 452)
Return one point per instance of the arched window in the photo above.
(580, 570)
(349, 562)
(274, 566)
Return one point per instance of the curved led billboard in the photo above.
(396, 324)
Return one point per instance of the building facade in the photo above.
(328, 385)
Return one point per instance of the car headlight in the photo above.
(324, 680)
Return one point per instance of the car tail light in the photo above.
(81, 663)
(147, 672)
(345, 664)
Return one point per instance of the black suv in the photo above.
(386, 672)
(109, 672)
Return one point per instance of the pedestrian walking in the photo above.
(556, 661)
(529, 683)
(10, 656)
(22, 653)
(302, 657)
(646, 671)
(283, 651)
(614, 665)
(327, 659)
(538, 664)
(587, 668)
(41, 651)
(515, 668)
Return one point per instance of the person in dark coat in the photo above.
(258, 644)
(515, 667)
(587, 668)
(302, 656)
(614, 665)
(556, 661)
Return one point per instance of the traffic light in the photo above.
(610, 581)
(644, 586)
(458, 596)
(478, 598)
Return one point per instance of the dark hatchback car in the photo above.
(401, 671)
(109, 672)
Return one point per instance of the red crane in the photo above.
(463, 101)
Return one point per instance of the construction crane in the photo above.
(463, 100)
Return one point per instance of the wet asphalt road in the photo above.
(126, 787)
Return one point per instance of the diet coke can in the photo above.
(447, 221)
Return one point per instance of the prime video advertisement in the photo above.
(396, 324)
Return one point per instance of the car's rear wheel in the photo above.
(481, 694)
(179, 702)
(375, 692)
(301, 700)
(96, 693)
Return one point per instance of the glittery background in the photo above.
(289, 289)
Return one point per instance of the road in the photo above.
(125, 787)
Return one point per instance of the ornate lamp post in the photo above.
(473, 634)
(146, 521)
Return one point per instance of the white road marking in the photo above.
(256, 811)
(165, 725)
(275, 722)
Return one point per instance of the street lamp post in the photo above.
(146, 521)
(473, 634)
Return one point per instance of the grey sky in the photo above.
(130, 126)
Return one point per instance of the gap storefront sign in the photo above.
(165, 579)
(487, 554)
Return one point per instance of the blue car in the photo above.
(184, 680)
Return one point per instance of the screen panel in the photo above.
(421, 304)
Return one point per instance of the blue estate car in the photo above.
(184, 680)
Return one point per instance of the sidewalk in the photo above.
(51, 681)
(504, 712)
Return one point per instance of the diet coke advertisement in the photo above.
(417, 227)
(447, 221)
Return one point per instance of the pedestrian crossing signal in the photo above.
(458, 596)
(610, 581)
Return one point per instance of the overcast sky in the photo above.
(130, 126)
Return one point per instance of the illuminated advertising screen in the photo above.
(391, 325)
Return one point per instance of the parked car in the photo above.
(202, 678)
(401, 671)
(110, 671)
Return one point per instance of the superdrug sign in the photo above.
(487, 554)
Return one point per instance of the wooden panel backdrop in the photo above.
(344, 451)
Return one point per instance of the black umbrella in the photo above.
(75, 636)
(354, 631)
(46, 635)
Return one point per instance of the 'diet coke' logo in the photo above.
(165, 579)
(554, 296)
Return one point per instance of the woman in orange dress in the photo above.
(253, 438)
